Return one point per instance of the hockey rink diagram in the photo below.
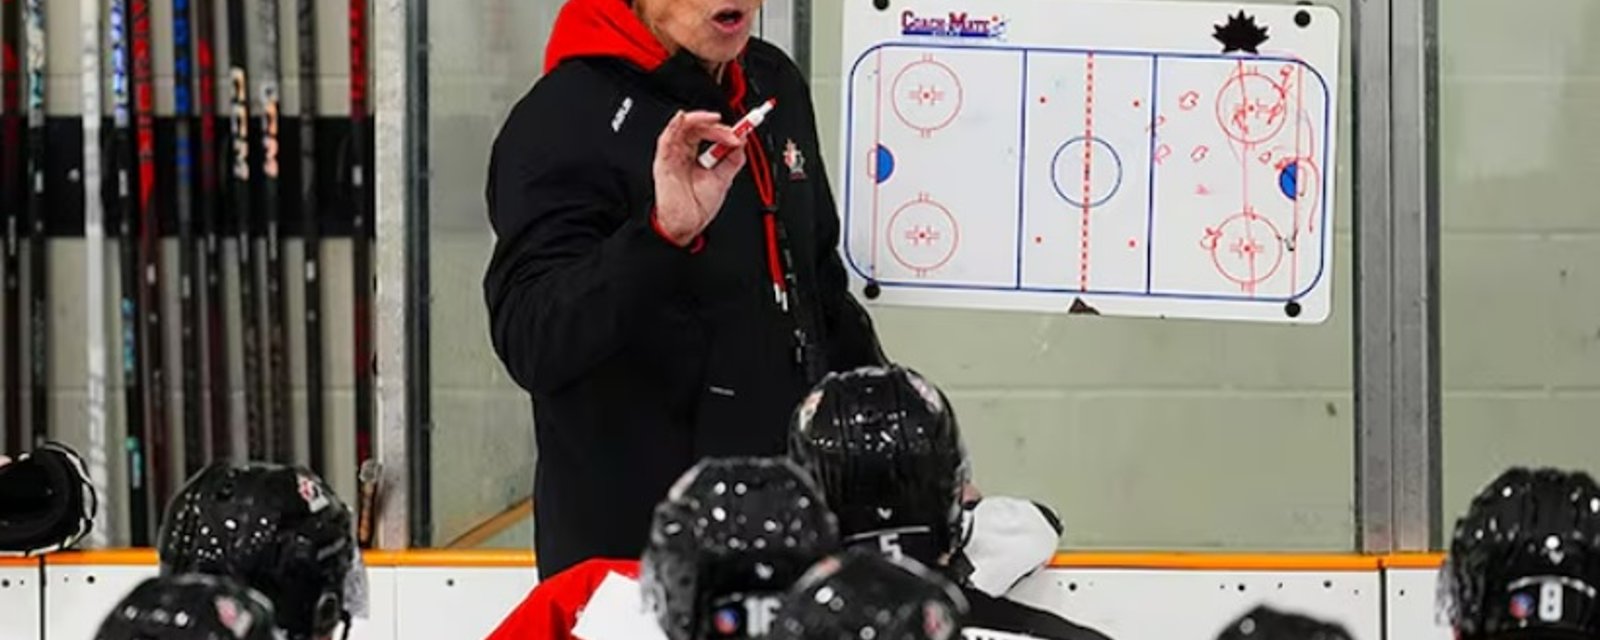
(1086, 172)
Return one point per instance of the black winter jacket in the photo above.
(642, 357)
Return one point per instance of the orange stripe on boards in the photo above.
(1155, 561)
(1413, 561)
(1216, 561)
(107, 557)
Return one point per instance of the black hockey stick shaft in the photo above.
(38, 248)
(240, 198)
(216, 340)
(157, 425)
(311, 234)
(278, 418)
(122, 163)
(15, 201)
(361, 232)
(194, 449)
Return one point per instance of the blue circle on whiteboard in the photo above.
(882, 164)
(1289, 180)
(1072, 151)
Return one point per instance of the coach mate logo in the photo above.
(622, 114)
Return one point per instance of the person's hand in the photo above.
(688, 196)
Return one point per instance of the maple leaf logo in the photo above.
(1241, 33)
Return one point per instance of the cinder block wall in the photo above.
(1520, 269)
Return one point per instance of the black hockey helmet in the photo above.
(861, 594)
(731, 537)
(1266, 623)
(279, 530)
(1524, 561)
(47, 502)
(190, 607)
(884, 445)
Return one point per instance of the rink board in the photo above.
(439, 598)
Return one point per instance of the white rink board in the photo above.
(1197, 605)
(1052, 151)
(414, 603)
(381, 620)
(473, 601)
(19, 603)
(1412, 609)
(79, 596)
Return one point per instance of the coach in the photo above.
(659, 312)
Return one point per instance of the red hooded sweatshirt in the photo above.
(607, 28)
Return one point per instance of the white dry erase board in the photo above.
(1131, 158)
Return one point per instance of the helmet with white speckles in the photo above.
(1524, 561)
(190, 607)
(275, 528)
(729, 540)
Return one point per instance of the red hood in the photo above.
(606, 28)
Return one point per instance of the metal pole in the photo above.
(418, 313)
(1374, 383)
(1414, 238)
(389, 25)
(1397, 339)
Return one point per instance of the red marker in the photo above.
(743, 128)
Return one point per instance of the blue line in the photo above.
(1150, 207)
(1133, 293)
(1022, 165)
(849, 169)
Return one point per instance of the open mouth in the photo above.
(729, 18)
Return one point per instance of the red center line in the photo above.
(1244, 171)
(1088, 162)
(1299, 180)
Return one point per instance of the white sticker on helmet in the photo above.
(236, 618)
(312, 493)
(808, 409)
(935, 403)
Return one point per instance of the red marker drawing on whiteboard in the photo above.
(743, 128)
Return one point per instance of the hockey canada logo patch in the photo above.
(1521, 606)
(937, 623)
(315, 499)
(236, 618)
(795, 161)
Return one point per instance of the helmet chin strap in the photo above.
(344, 620)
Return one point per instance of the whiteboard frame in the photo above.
(1309, 305)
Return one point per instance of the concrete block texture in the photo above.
(1520, 245)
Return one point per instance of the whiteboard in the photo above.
(1091, 156)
